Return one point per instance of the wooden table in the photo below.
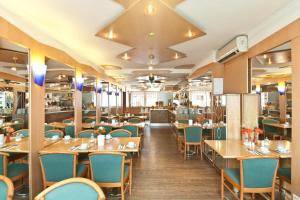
(281, 126)
(111, 145)
(232, 149)
(119, 125)
(58, 125)
(183, 126)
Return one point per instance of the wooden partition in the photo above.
(250, 110)
(77, 106)
(233, 116)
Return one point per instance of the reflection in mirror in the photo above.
(271, 78)
(104, 99)
(59, 102)
(89, 99)
(14, 99)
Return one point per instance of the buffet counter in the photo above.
(161, 116)
(58, 116)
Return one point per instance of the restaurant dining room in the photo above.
(149, 99)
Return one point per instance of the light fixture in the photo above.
(281, 87)
(176, 56)
(79, 82)
(150, 68)
(39, 73)
(269, 61)
(151, 34)
(59, 77)
(111, 35)
(190, 34)
(150, 9)
(99, 87)
(15, 61)
(13, 69)
(258, 89)
(265, 56)
(126, 57)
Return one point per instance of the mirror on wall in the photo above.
(104, 99)
(14, 101)
(59, 99)
(89, 99)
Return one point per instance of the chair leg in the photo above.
(222, 184)
(185, 149)
(253, 196)
(201, 151)
(122, 192)
(130, 177)
(241, 195)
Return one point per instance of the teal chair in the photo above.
(49, 127)
(134, 120)
(120, 133)
(180, 132)
(220, 133)
(72, 189)
(89, 120)
(271, 131)
(193, 137)
(108, 170)
(255, 175)
(6, 188)
(107, 128)
(60, 166)
(103, 119)
(284, 175)
(70, 130)
(68, 121)
(133, 129)
(22, 132)
(51, 133)
(14, 171)
(87, 133)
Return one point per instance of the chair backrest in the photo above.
(3, 164)
(134, 120)
(51, 133)
(6, 188)
(107, 167)
(86, 133)
(220, 133)
(23, 132)
(193, 134)
(258, 172)
(120, 133)
(107, 128)
(70, 130)
(68, 121)
(58, 166)
(72, 189)
(18, 120)
(49, 127)
(269, 129)
(183, 121)
(89, 120)
(133, 129)
(103, 119)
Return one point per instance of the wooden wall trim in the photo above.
(11, 77)
(11, 33)
(217, 70)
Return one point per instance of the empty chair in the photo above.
(14, 171)
(220, 133)
(70, 130)
(103, 119)
(120, 133)
(192, 137)
(49, 127)
(284, 175)
(89, 120)
(60, 166)
(6, 188)
(271, 131)
(22, 132)
(133, 129)
(108, 170)
(134, 120)
(72, 189)
(51, 133)
(68, 121)
(86, 133)
(107, 129)
(255, 175)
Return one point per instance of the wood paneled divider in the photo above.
(233, 115)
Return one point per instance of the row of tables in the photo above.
(61, 125)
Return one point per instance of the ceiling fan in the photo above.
(151, 79)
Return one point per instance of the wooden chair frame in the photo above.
(10, 187)
(117, 130)
(42, 195)
(241, 187)
(120, 184)
(140, 120)
(87, 130)
(100, 125)
(196, 144)
(61, 133)
(274, 136)
(49, 183)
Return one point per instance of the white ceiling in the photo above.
(72, 24)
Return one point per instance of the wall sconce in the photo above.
(109, 92)
(39, 73)
(79, 82)
(281, 87)
(99, 87)
(258, 89)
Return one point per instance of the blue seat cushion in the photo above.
(3, 189)
(16, 169)
(80, 169)
(234, 174)
(285, 172)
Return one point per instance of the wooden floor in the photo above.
(161, 172)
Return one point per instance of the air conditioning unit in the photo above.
(233, 48)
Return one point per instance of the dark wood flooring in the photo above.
(162, 173)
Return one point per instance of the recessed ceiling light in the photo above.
(126, 57)
(190, 34)
(265, 56)
(59, 77)
(176, 56)
(150, 68)
(151, 34)
(150, 9)
(110, 35)
(269, 62)
(14, 68)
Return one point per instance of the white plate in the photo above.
(131, 147)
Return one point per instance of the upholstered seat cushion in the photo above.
(233, 173)
(15, 169)
(285, 172)
(80, 169)
(3, 190)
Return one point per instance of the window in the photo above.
(119, 99)
(151, 98)
(104, 100)
(137, 99)
(112, 99)
(200, 98)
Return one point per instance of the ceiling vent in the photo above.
(232, 49)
